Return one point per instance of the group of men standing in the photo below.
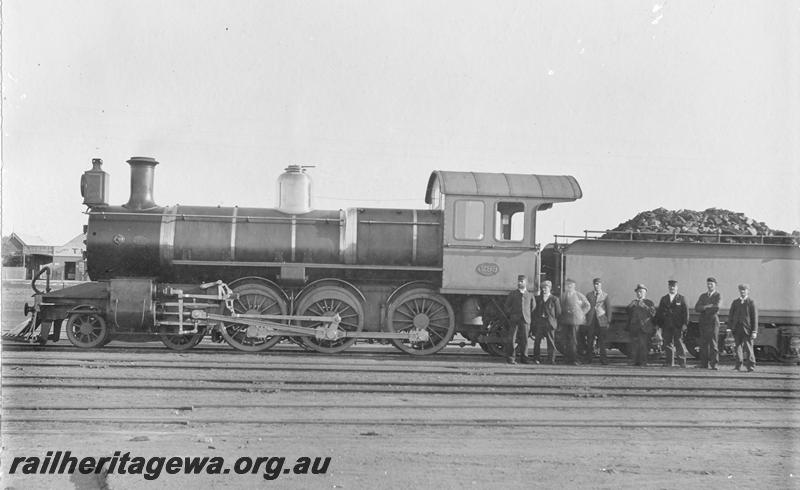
(584, 319)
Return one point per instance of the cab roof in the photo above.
(550, 187)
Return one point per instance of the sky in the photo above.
(675, 104)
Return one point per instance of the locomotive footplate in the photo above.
(260, 326)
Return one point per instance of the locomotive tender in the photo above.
(323, 278)
(771, 270)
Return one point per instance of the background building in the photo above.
(25, 255)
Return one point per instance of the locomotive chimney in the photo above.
(142, 170)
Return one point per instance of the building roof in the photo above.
(549, 187)
(73, 248)
(26, 239)
(32, 244)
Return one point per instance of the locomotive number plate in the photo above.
(487, 269)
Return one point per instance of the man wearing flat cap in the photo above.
(574, 307)
(708, 307)
(640, 325)
(519, 307)
(672, 316)
(545, 322)
(743, 321)
(597, 321)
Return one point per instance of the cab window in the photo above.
(509, 221)
(469, 220)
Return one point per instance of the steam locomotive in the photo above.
(322, 278)
(326, 279)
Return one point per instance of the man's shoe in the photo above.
(510, 361)
(525, 360)
(536, 361)
(750, 369)
(738, 366)
(714, 368)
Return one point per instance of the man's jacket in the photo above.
(743, 316)
(672, 314)
(520, 305)
(547, 311)
(600, 309)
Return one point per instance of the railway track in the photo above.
(472, 382)
(493, 387)
(371, 406)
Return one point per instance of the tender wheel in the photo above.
(328, 301)
(766, 353)
(692, 346)
(421, 309)
(182, 342)
(87, 330)
(497, 328)
(254, 299)
(623, 347)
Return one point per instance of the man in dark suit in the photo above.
(743, 320)
(519, 307)
(640, 325)
(545, 321)
(708, 306)
(597, 321)
(673, 318)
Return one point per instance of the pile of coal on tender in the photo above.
(712, 225)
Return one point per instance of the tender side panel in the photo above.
(771, 271)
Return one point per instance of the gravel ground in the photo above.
(459, 419)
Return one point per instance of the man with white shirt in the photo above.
(672, 316)
(545, 321)
(743, 321)
(574, 307)
(597, 321)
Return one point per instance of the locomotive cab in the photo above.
(489, 234)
